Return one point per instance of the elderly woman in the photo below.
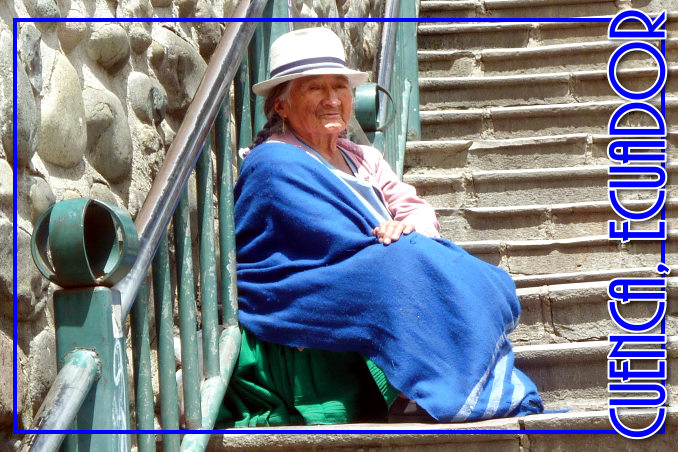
(348, 299)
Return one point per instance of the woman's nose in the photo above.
(332, 97)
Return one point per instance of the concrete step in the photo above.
(552, 279)
(537, 433)
(574, 375)
(536, 89)
(512, 153)
(517, 8)
(450, 9)
(530, 121)
(576, 312)
(464, 35)
(501, 435)
(541, 222)
(522, 187)
(493, 35)
(579, 254)
(582, 56)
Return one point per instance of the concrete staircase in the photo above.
(513, 158)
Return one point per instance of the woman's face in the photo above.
(317, 105)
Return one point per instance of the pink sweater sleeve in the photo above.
(401, 198)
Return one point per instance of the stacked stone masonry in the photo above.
(98, 104)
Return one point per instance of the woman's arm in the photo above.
(401, 198)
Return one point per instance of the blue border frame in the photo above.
(320, 20)
(16, 21)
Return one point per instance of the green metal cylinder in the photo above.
(227, 261)
(141, 363)
(164, 324)
(187, 314)
(76, 243)
(366, 106)
(209, 308)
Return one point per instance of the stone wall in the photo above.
(98, 106)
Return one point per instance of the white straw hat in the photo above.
(309, 51)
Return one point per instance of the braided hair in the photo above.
(274, 122)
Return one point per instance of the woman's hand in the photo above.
(390, 231)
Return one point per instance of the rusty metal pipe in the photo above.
(59, 409)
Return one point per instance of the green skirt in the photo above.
(278, 385)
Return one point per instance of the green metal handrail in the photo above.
(204, 381)
(399, 73)
(107, 400)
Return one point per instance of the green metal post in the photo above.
(391, 133)
(187, 314)
(403, 79)
(208, 264)
(407, 37)
(214, 389)
(229, 292)
(277, 9)
(396, 138)
(378, 141)
(249, 108)
(243, 108)
(258, 72)
(402, 137)
(164, 321)
(141, 362)
(90, 319)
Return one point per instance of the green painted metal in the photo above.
(164, 324)
(66, 244)
(249, 108)
(84, 359)
(366, 106)
(229, 291)
(214, 389)
(80, 238)
(73, 263)
(187, 314)
(400, 158)
(243, 107)
(80, 370)
(407, 39)
(141, 363)
(208, 264)
(377, 139)
(90, 318)
(366, 110)
(277, 9)
(265, 34)
(404, 73)
(259, 47)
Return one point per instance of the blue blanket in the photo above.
(431, 316)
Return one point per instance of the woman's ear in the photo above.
(281, 106)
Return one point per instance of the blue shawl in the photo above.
(434, 318)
